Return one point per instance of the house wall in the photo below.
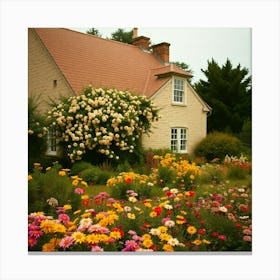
(42, 72)
(190, 115)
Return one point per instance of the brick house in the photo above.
(61, 62)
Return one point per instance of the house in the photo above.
(61, 62)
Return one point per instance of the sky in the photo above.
(195, 46)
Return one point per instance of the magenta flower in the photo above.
(64, 218)
(130, 245)
(222, 237)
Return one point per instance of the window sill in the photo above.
(179, 104)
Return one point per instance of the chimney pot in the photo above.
(135, 33)
(162, 50)
(142, 41)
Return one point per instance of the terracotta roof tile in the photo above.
(85, 59)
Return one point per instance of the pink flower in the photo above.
(66, 242)
(79, 190)
(165, 220)
(96, 249)
(247, 231)
(247, 238)
(64, 218)
(132, 232)
(222, 237)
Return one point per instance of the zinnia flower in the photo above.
(66, 242)
(191, 230)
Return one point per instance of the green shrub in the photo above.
(44, 186)
(96, 175)
(236, 172)
(80, 166)
(211, 173)
(123, 167)
(218, 145)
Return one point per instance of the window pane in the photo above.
(178, 91)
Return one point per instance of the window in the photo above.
(179, 140)
(52, 145)
(178, 91)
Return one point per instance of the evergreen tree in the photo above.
(122, 36)
(228, 91)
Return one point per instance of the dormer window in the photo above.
(178, 91)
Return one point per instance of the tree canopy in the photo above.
(122, 36)
(228, 91)
(94, 31)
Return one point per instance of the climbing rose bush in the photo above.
(105, 120)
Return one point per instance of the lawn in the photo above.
(178, 206)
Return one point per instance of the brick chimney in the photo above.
(162, 50)
(141, 41)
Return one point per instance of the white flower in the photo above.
(173, 241)
(223, 209)
(169, 223)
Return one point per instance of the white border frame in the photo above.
(261, 16)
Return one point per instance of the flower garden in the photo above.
(177, 206)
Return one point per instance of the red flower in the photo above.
(215, 234)
(238, 225)
(169, 212)
(228, 206)
(158, 210)
(128, 180)
(201, 231)
(146, 225)
(168, 194)
(86, 202)
(191, 193)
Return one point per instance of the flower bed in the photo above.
(184, 217)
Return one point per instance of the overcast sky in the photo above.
(195, 46)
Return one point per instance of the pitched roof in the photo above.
(85, 59)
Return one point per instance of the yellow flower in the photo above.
(62, 173)
(79, 237)
(30, 177)
(153, 214)
(131, 216)
(192, 177)
(146, 236)
(167, 248)
(165, 236)
(85, 196)
(75, 182)
(197, 242)
(77, 212)
(115, 235)
(67, 207)
(206, 241)
(92, 238)
(147, 243)
(50, 246)
(191, 230)
(84, 183)
(162, 229)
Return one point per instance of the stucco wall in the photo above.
(190, 115)
(42, 72)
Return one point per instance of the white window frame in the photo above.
(178, 94)
(179, 139)
(52, 142)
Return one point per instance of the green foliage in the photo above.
(48, 185)
(210, 173)
(96, 175)
(122, 36)
(80, 166)
(228, 91)
(123, 167)
(37, 132)
(218, 145)
(94, 31)
(236, 172)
